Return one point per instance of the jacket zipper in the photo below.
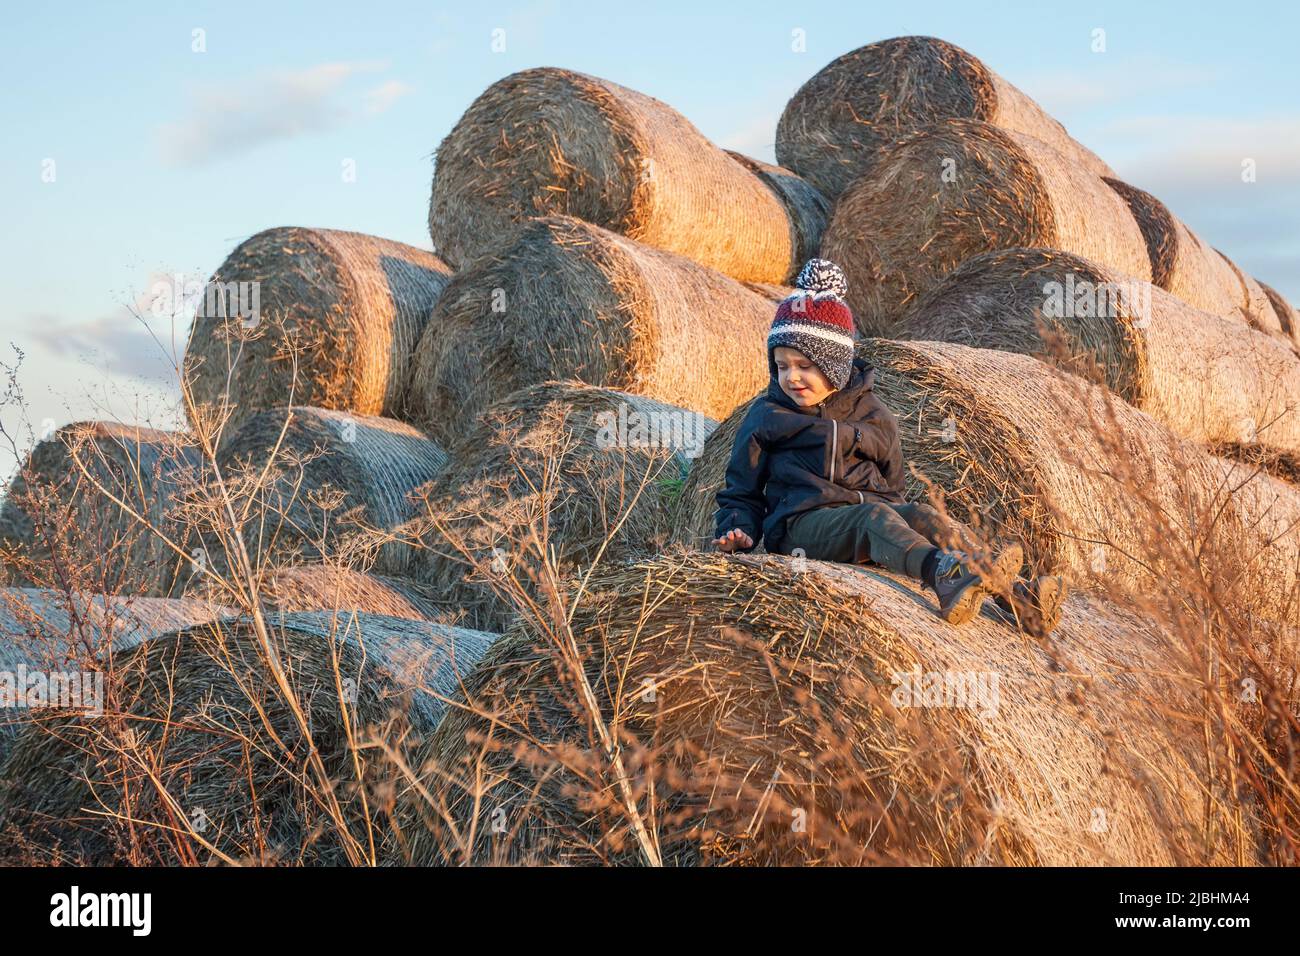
(835, 430)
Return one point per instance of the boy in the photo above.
(817, 466)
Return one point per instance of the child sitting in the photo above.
(817, 466)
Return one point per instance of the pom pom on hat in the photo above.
(822, 277)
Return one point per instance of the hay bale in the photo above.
(200, 708)
(1287, 316)
(1206, 377)
(564, 299)
(594, 469)
(548, 141)
(336, 490)
(954, 190)
(807, 208)
(1093, 488)
(1181, 262)
(61, 631)
(1258, 309)
(350, 306)
(321, 587)
(60, 526)
(835, 127)
(762, 718)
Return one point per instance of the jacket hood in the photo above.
(861, 379)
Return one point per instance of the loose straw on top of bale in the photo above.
(1206, 377)
(1084, 481)
(592, 469)
(954, 190)
(312, 484)
(548, 141)
(66, 519)
(338, 314)
(323, 587)
(567, 300)
(1181, 262)
(59, 631)
(768, 713)
(835, 127)
(231, 747)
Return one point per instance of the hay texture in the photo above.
(957, 189)
(565, 469)
(808, 209)
(1093, 488)
(65, 523)
(70, 631)
(311, 485)
(568, 300)
(547, 141)
(1258, 309)
(1206, 377)
(835, 128)
(338, 316)
(321, 587)
(762, 717)
(201, 711)
(1287, 316)
(1181, 262)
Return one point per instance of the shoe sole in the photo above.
(1001, 573)
(1051, 597)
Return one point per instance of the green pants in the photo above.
(896, 536)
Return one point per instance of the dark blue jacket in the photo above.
(787, 459)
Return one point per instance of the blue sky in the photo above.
(163, 158)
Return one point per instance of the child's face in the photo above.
(800, 378)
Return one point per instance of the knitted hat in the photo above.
(816, 320)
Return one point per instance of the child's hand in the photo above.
(733, 539)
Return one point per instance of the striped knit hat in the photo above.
(816, 320)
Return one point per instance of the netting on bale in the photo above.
(835, 127)
(957, 189)
(567, 300)
(560, 475)
(228, 743)
(548, 141)
(708, 709)
(310, 316)
(67, 518)
(311, 484)
(1206, 377)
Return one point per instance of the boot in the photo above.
(962, 582)
(1035, 606)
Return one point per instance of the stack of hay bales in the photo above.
(313, 484)
(65, 521)
(338, 314)
(46, 630)
(1090, 486)
(563, 469)
(546, 141)
(563, 299)
(835, 127)
(1202, 375)
(951, 191)
(772, 714)
(258, 746)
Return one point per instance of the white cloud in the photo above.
(1111, 82)
(273, 106)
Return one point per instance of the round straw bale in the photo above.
(956, 189)
(568, 300)
(768, 713)
(322, 587)
(1206, 377)
(586, 473)
(65, 523)
(206, 748)
(69, 631)
(1286, 313)
(1181, 262)
(554, 142)
(310, 316)
(808, 209)
(1258, 309)
(1091, 487)
(835, 127)
(313, 484)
